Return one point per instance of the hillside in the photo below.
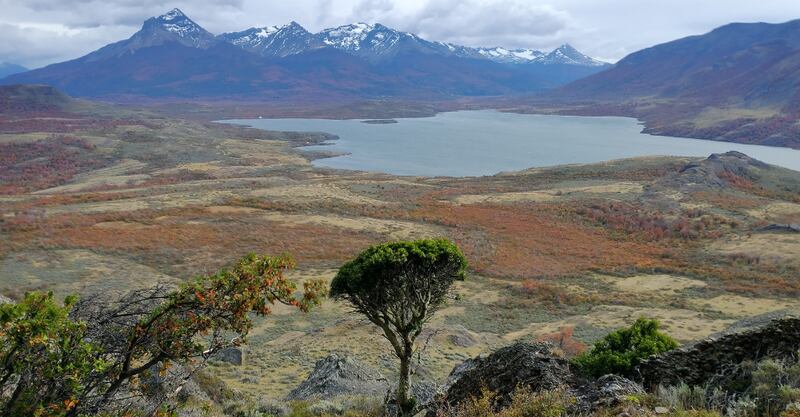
(31, 98)
(754, 65)
(739, 83)
(174, 57)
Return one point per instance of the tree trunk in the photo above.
(405, 403)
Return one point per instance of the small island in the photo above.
(379, 121)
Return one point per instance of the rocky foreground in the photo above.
(539, 366)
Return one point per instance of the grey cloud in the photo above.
(34, 47)
(512, 23)
(97, 13)
(373, 8)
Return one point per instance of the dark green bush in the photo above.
(622, 350)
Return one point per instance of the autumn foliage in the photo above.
(563, 340)
(651, 225)
(30, 166)
(73, 360)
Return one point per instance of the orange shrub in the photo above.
(563, 340)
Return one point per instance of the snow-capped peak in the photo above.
(172, 15)
(175, 21)
(347, 37)
(266, 31)
(277, 41)
(252, 36)
(370, 41)
(501, 54)
(566, 54)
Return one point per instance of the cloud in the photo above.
(512, 23)
(35, 45)
(94, 13)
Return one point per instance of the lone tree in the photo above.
(398, 287)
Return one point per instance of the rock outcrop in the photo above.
(715, 171)
(232, 355)
(607, 391)
(530, 365)
(706, 360)
(536, 367)
(779, 227)
(336, 376)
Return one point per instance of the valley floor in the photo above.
(103, 200)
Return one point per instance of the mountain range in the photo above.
(380, 43)
(173, 56)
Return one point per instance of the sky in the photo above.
(34, 33)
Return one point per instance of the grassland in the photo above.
(125, 198)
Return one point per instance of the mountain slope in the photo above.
(737, 83)
(753, 64)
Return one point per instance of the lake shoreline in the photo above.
(424, 146)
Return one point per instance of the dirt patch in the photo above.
(231, 210)
(549, 194)
(739, 306)
(316, 192)
(684, 325)
(392, 229)
(285, 338)
(76, 272)
(114, 176)
(713, 116)
(118, 225)
(775, 210)
(531, 196)
(649, 284)
(769, 247)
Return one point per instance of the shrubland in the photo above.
(97, 355)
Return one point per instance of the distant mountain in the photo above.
(567, 55)
(172, 56)
(741, 63)
(7, 69)
(173, 27)
(738, 83)
(274, 41)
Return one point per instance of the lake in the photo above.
(485, 142)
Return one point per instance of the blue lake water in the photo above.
(485, 142)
